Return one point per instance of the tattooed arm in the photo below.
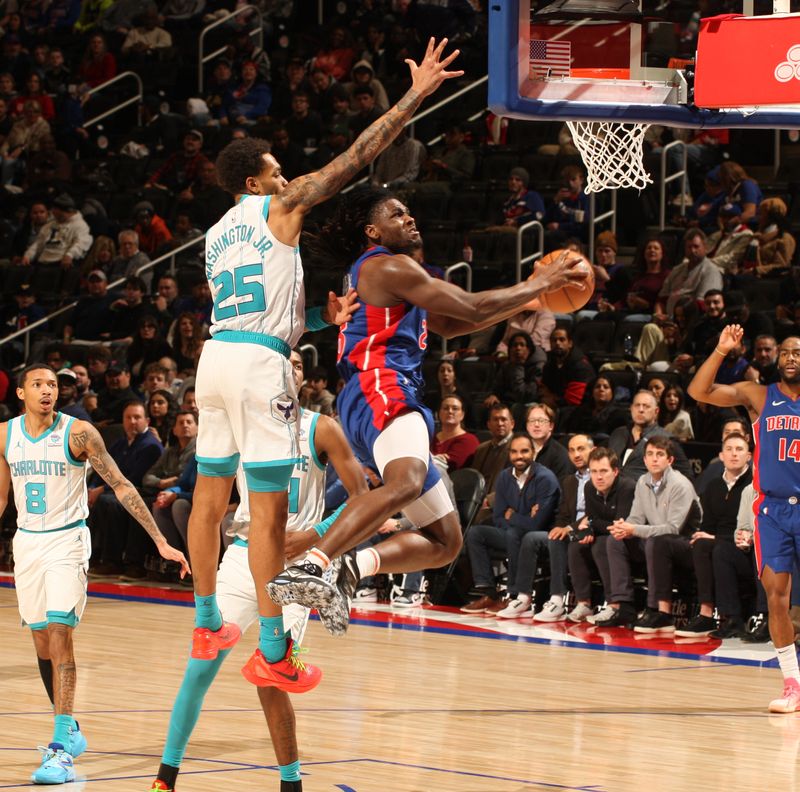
(86, 443)
(307, 191)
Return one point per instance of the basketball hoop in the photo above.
(612, 152)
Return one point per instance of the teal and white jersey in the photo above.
(49, 483)
(256, 281)
(306, 487)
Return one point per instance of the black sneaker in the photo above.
(623, 616)
(652, 621)
(759, 634)
(335, 617)
(730, 628)
(698, 626)
(304, 584)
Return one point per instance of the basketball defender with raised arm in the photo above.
(775, 412)
(245, 394)
(380, 358)
(321, 440)
(44, 456)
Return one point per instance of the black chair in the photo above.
(595, 336)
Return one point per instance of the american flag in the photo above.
(550, 59)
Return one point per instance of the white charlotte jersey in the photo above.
(256, 281)
(49, 483)
(306, 487)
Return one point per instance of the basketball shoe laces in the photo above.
(294, 659)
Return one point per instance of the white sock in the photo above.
(525, 599)
(368, 562)
(316, 556)
(787, 658)
(558, 599)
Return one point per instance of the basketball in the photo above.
(569, 298)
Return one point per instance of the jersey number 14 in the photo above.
(793, 452)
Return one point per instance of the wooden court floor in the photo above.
(406, 710)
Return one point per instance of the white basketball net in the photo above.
(612, 152)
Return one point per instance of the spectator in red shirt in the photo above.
(337, 56)
(152, 230)
(182, 168)
(34, 90)
(98, 64)
(452, 443)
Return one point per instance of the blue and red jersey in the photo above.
(776, 466)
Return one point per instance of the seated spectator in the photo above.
(34, 92)
(740, 189)
(515, 381)
(183, 232)
(491, 456)
(36, 218)
(161, 411)
(147, 348)
(131, 260)
(664, 502)
(164, 474)
(129, 310)
(446, 377)
(181, 168)
(116, 395)
(367, 111)
(728, 245)
(336, 142)
(67, 401)
(597, 413)
(672, 416)
(152, 229)
(92, 11)
(98, 360)
(16, 315)
(284, 89)
(666, 343)
(316, 396)
(199, 303)
(98, 64)
(174, 383)
(450, 160)
(91, 317)
(112, 528)
(151, 379)
(48, 167)
(189, 401)
(540, 423)
(64, 240)
(204, 199)
(364, 74)
(321, 90)
(523, 204)
(693, 277)
(607, 495)
(290, 155)
(15, 59)
(8, 87)
(734, 367)
(629, 443)
(147, 38)
(248, 101)
(568, 215)
(57, 75)
(337, 55)
(400, 163)
(776, 245)
(186, 341)
(612, 280)
(25, 137)
(567, 371)
(706, 331)
(643, 293)
(453, 445)
(526, 499)
(6, 121)
(764, 360)
(565, 146)
(304, 126)
(220, 83)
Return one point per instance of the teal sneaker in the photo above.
(77, 742)
(56, 767)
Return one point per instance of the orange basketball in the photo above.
(569, 298)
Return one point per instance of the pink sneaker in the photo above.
(790, 698)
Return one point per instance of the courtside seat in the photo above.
(594, 337)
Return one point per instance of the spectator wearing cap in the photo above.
(304, 125)
(128, 311)
(67, 401)
(130, 259)
(181, 168)
(775, 248)
(111, 400)
(90, 319)
(728, 245)
(611, 278)
(400, 163)
(523, 204)
(364, 74)
(249, 101)
(152, 229)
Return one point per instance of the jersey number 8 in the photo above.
(34, 498)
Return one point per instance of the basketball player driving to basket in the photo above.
(775, 413)
(380, 358)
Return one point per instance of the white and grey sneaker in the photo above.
(580, 613)
(303, 584)
(516, 609)
(606, 612)
(413, 600)
(335, 616)
(552, 611)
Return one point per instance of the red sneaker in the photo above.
(160, 786)
(291, 674)
(206, 643)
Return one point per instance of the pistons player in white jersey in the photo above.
(321, 440)
(245, 395)
(775, 412)
(44, 457)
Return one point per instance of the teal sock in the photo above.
(206, 612)
(271, 638)
(63, 723)
(188, 703)
(290, 772)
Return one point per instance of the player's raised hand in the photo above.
(166, 550)
(432, 72)
(730, 338)
(340, 309)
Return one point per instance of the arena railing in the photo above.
(202, 58)
(533, 225)
(682, 174)
(135, 99)
(448, 273)
(25, 332)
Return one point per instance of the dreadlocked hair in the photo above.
(240, 160)
(341, 238)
